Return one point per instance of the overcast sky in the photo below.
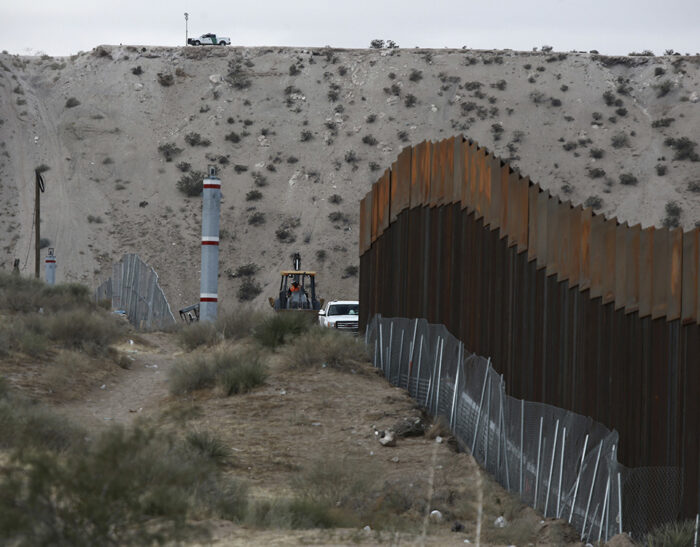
(63, 27)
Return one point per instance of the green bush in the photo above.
(209, 445)
(191, 374)
(324, 346)
(240, 373)
(78, 329)
(112, 492)
(190, 184)
(239, 323)
(281, 327)
(248, 290)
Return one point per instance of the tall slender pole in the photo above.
(481, 402)
(522, 427)
(619, 503)
(420, 357)
(209, 284)
(537, 473)
(187, 16)
(590, 494)
(561, 471)
(551, 468)
(37, 223)
(400, 354)
(578, 479)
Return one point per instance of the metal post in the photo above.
(590, 528)
(420, 358)
(388, 349)
(429, 393)
(488, 423)
(454, 392)
(500, 416)
(481, 402)
(187, 16)
(590, 494)
(697, 521)
(522, 428)
(561, 471)
(374, 362)
(50, 267)
(209, 285)
(400, 354)
(619, 505)
(603, 512)
(551, 467)
(38, 187)
(439, 378)
(537, 473)
(381, 348)
(505, 438)
(578, 479)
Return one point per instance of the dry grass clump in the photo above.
(280, 328)
(233, 370)
(325, 347)
(230, 325)
(23, 295)
(672, 534)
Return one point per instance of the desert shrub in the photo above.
(410, 100)
(335, 199)
(369, 140)
(197, 334)
(619, 140)
(72, 102)
(415, 75)
(659, 71)
(92, 219)
(285, 235)
(137, 70)
(279, 328)
(253, 195)
(292, 159)
(622, 112)
(259, 179)
(694, 186)
(609, 98)
(190, 183)
(42, 168)
(569, 145)
(19, 294)
(209, 445)
(596, 172)
(26, 424)
(306, 135)
(111, 492)
(597, 153)
(628, 179)
(671, 534)
(233, 137)
(81, 330)
(660, 169)
(248, 290)
(684, 147)
(554, 101)
(237, 324)
(594, 202)
(184, 166)
(350, 271)
(169, 150)
(240, 373)
(338, 217)
(662, 122)
(663, 88)
(564, 88)
(537, 97)
(195, 139)
(237, 76)
(319, 346)
(371, 118)
(673, 215)
(500, 84)
(376, 44)
(321, 255)
(166, 80)
(351, 157)
(257, 219)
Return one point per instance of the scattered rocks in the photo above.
(409, 427)
(500, 522)
(387, 438)
(435, 515)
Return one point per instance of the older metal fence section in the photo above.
(559, 462)
(575, 310)
(134, 288)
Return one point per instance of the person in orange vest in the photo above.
(294, 288)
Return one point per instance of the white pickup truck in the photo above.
(340, 314)
(210, 40)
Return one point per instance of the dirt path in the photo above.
(136, 392)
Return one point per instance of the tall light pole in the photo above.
(187, 16)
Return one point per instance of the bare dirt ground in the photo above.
(297, 421)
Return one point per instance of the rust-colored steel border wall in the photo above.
(575, 309)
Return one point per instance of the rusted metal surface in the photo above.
(574, 309)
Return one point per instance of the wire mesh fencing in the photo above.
(558, 462)
(134, 289)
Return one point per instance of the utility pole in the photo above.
(39, 186)
(187, 16)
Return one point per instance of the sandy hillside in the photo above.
(310, 130)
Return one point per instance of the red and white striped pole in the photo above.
(50, 265)
(209, 285)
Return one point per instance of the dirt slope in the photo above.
(313, 124)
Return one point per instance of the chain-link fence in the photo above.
(134, 289)
(561, 463)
